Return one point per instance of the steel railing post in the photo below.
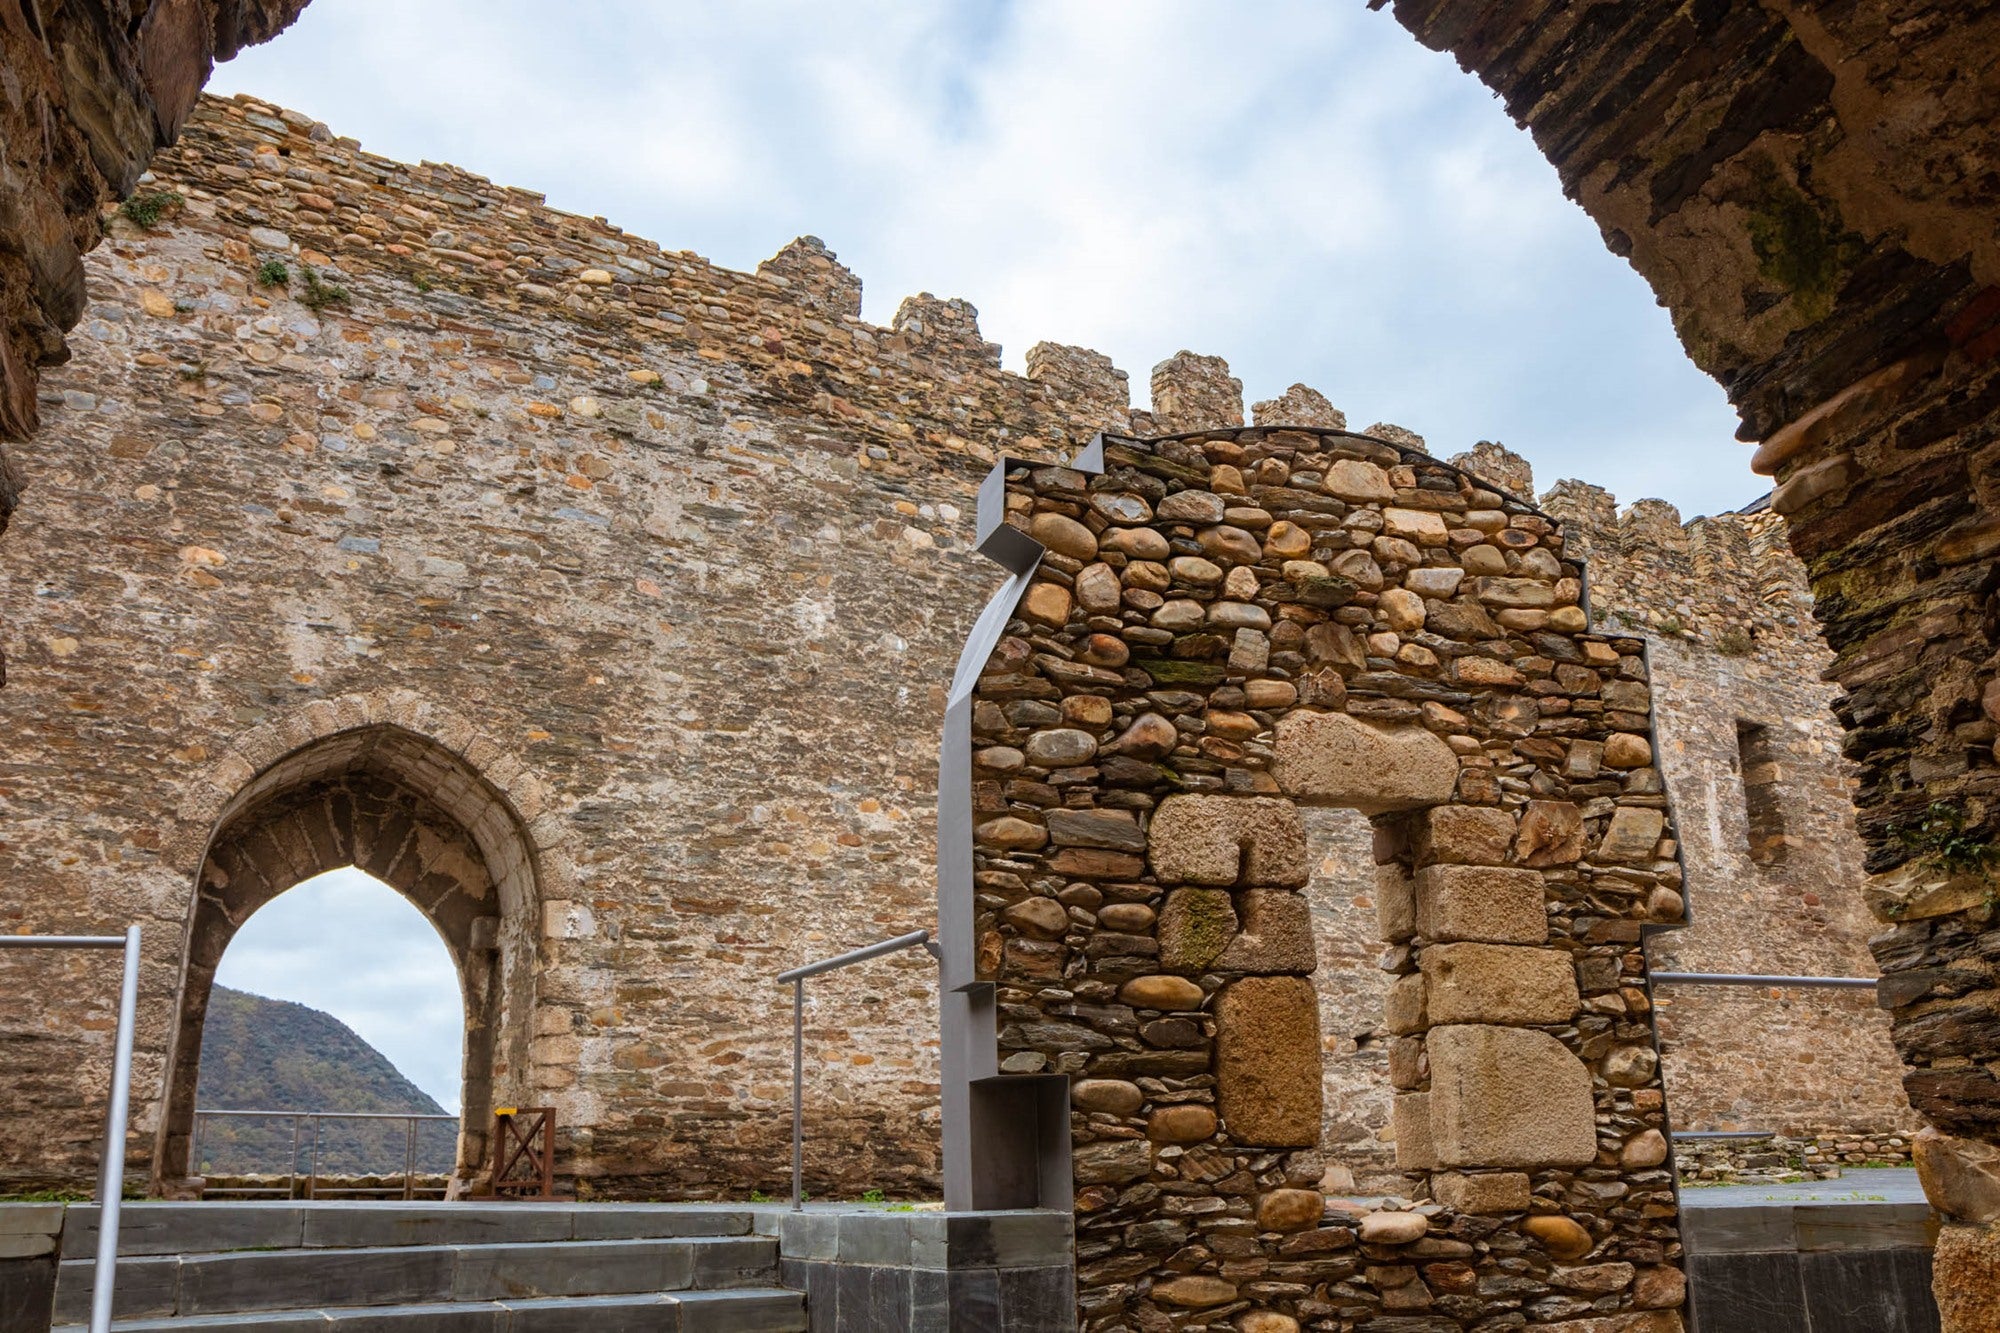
(797, 977)
(111, 1186)
(798, 1094)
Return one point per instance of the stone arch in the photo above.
(1207, 632)
(411, 809)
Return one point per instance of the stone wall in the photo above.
(1223, 627)
(624, 548)
(1808, 188)
(90, 91)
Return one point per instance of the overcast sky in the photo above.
(349, 944)
(1295, 186)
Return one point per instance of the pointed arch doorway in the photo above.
(414, 815)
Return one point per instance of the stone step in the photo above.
(158, 1286)
(746, 1310)
(186, 1228)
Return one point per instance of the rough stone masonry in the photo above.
(600, 600)
(1226, 625)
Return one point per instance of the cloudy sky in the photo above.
(349, 944)
(1294, 185)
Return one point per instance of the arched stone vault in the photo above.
(368, 792)
(1205, 632)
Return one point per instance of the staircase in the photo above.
(367, 1267)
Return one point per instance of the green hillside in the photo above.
(259, 1054)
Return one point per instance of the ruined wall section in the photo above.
(663, 535)
(90, 91)
(353, 439)
(1751, 753)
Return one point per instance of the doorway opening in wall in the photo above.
(1356, 1137)
(332, 1052)
(1757, 763)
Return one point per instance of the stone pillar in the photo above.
(813, 277)
(1191, 391)
(1298, 406)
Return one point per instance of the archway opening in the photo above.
(404, 810)
(337, 996)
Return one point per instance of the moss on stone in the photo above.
(1196, 927)
(1799, 243)
(1177, 671)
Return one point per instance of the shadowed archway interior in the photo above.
(413, 815)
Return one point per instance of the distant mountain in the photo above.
(259, 1054)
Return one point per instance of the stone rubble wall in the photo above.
(1806, 189)
(1223, 627)
(91, 90)
(662, 539)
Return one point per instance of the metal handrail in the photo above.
(797, 977)
(111, 1176)
(1752, 979)
(409, 1186)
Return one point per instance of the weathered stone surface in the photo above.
(1290, 1210)
(1961, 1177)
(1113, 830)
(1384, 1227)
(1404, 1012)
(1113, 1163)
(1339, 760)
(1497, 983)
(1509, 1097)
(1594, 1279)
(1268, 1062)
(1410, 1123)
(1265, 1321)
(1046, 604)
(1044, 918)
(1395, 903)
(1114, 1096)
(1631, 836)
(1644, 1151)
(1563, 1237)
(1358, 481)
(1489, 905)
(1194, 1293)
(1489, 1192)
(1228, 840)
(1277, 934)
(1180, 1124)
(1161, 992)
(1624, 750)
(1659, 1288)
(1630, 1066)
(1474, 835)
(1551, 833)
(1966, 1278)
(1064, 535)
(1196, 925)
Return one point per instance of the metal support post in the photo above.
(797, 977)
(111, 1175)
(798, 1094)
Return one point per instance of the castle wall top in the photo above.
(926, 391)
